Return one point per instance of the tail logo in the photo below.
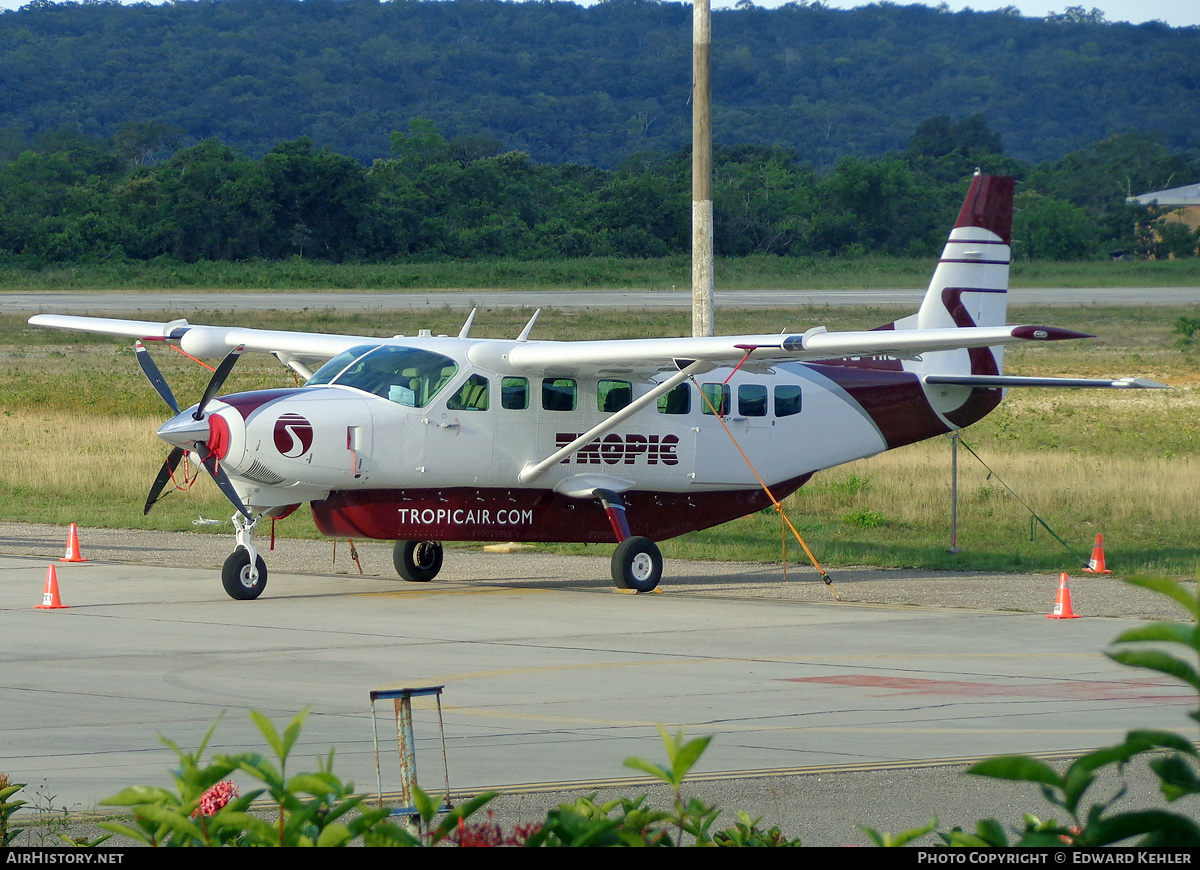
(293, 435)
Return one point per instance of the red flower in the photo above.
(215, 798)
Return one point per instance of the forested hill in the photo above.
(586, 85)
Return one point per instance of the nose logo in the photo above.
(293, 435)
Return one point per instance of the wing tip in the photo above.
(1048, 333)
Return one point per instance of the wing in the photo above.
(645, 356)
(662, 354)
(1016, 381)
(211, 341)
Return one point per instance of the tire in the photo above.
(417, 561)
(637, 564)
(235, 576)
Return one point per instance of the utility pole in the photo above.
(703, 324)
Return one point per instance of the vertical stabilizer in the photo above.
(970, 285)
(969, 288)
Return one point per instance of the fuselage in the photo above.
(415, 441)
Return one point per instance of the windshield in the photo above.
(403, 375)
(333, 368)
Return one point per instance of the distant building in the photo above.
(1176, 205)
(1184, 202)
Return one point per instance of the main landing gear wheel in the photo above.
(637, 564)
(417, 561)
(236, 579)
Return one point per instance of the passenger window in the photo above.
(752, 400)
(471, 396)
(787, 400)
(514, 393)
(676, 401)
(558, 394)
(718, 398)
(613, 395)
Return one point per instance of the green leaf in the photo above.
(316, 784)
(1018, 767)
(463, 811)
(904, 837)
(687, 755)
(1168, 632)
(208, 734)
(292, 732)
(267, 729)
(174, 821)
(1154, 660)
(126, 831)
(424, 803)
(1177, 777)
(1157, 827)
(655, 770)
(140, 794)
(334, 835)
(992, 832)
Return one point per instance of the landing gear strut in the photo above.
(244, 574)
(417, 561)
(637, 563)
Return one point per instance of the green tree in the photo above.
(762, 200)
(1050, 229)
(204, 203)
(320, 202)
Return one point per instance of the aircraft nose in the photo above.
(184, 430)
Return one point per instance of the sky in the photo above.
(1176, 13)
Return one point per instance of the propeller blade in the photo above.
(218, 379)
(155, 376)
(221, 478)
(164, 474)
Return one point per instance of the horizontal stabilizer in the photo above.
(1013, 381)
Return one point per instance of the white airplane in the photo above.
(434, 438)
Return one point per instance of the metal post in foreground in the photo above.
(406, 742)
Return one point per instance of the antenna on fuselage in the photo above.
(466, 327)
(524, 336)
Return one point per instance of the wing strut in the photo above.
(687, 368)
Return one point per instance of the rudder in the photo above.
(970, 285)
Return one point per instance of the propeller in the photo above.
(155, 376)
(208, 457)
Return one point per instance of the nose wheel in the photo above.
(417, 561)
(239, 580)
(244, 574)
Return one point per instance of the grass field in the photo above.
(760, 272)
(77, 423)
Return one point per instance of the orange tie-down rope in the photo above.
(778, 506)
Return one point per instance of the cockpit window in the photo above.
(403, 375)
(334, 367)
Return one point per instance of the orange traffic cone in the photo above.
(72, 554)
(1062, 604)
(50, 599)
(1096, 564)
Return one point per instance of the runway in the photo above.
(187, 301)
(552, 681)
